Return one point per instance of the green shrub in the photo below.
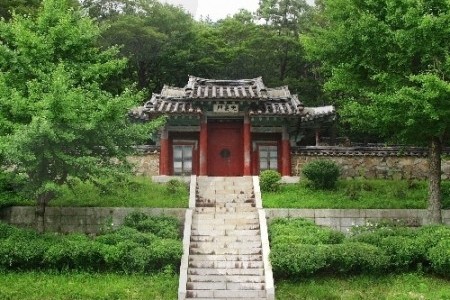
(76, 254)
(164, 253)
(322, 174)
(175, 186)
(269, 181)
(404, 252)
(439, 256)
(164, 227)
(355, 258)
(125, 234)
(301, 231)
(297, 260)
(126, 250)
(429, 236)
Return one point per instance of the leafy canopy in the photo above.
(56, 119)
(388, 63)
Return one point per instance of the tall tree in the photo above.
(22, 7)
(389, 64)
(284, 16)
(56, 120)
(154, 37)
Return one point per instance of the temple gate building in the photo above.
(229, 127)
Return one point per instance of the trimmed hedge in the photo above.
(302, 249)
(126, 250)
(322, 174)
(269, 181)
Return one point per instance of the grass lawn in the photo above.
(138, 192)
(402, 286)
(36, 285)
(361, 193)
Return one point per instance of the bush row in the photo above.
(126, 250)
(300, 249)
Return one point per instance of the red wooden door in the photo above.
(225, 149)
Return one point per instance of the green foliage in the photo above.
(301, 231)
(133, 191)
(365, 286)
(356, 258)
(387, 63)
(322, 174)
(440, 257)
(87, 285)
(297, 260)
(174, 186)
(163, 227)
(351, 193)
(125, 250)
(301, 249)
(269, 180)
(57, 121)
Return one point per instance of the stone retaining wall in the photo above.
(89, 220)
(344, 219)
(92, 220)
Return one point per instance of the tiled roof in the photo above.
(263, 101)
(363, 151)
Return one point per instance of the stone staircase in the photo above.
(225, 253)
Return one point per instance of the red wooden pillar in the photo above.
(285, 154)
(247, 147)
(203, 151)
(164, 155)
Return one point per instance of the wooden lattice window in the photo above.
(182, 159)
(268, 157)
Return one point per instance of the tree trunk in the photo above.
(434, 184)
(42, 202)
(40, 216)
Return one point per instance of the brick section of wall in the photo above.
(91, 220)
(383, 167)
(344, 219)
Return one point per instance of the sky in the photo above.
(217, 9)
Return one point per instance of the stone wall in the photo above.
(89, 220)
(383, 167)
(345, 219)
(92, 220)
(146, 164)
(368, 162)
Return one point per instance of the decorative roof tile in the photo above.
(262, 101)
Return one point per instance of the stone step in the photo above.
(226, 278)
(207, 220)
(225, 226)
(222, 244)
(211, 210)
(227, 294)
(243, 238)
(225, 285)
(224, 264)
(223, 271)
(226, 257)
(225, 232)
(228, 198)
(225, 251)
(216, 298)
